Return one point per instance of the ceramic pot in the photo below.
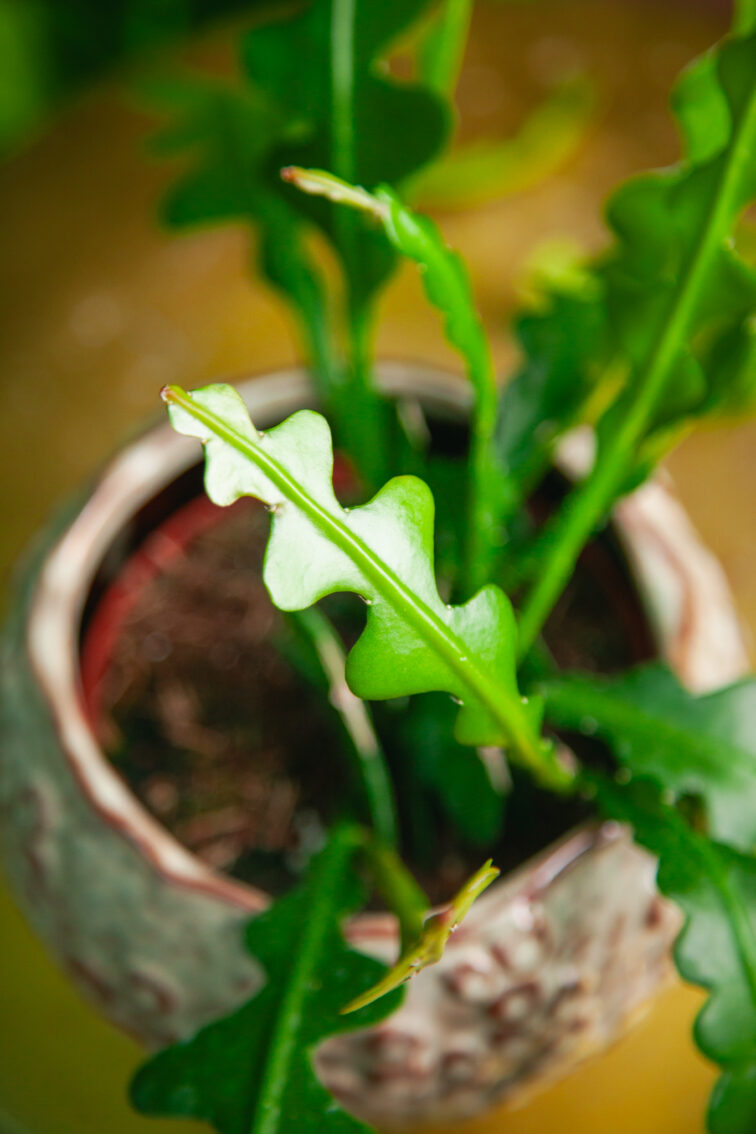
(554, 961)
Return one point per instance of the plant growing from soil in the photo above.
(654, 336)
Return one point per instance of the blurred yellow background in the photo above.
(99, 309)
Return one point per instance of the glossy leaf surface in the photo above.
(383, 551)
(704, 746)
(447, 286)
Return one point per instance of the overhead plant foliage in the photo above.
(691, 746)
(251, 1072)
(50, 49)
(715, 887)
(382, 551)
(313, 88)
(655, 334)
(677, 298)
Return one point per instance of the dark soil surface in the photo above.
(224, 742)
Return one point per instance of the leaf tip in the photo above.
(171, 394)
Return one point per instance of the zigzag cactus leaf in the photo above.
(251, 1072)
(715, 887)
(689, 745)
(383, 551)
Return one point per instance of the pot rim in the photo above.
(135, 475)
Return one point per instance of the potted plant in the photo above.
(551, 963)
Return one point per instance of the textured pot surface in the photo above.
(552, 964)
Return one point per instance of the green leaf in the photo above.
(562, 345)
(231, 130)
(430, 947)
(730, 365)
(675, 270)
(413, 642)
(423, 735)
(442, 49)
(703, 746)
(447, 286)
(673, 279)
(397, 887)
(315, 87)
(489, 169)
(324, 70)
(715, 887)
(251, 1072)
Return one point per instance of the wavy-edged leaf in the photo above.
(251, 1072)
(715, 887)
(690, 745)
(675, 270)
(413, 642)
(429, 948)
(673, 280)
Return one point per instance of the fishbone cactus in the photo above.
(413, 642)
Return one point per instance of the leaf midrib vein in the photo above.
(319, 920)
(424, 620)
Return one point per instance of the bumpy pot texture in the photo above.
(554, 961)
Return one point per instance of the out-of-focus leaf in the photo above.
(715, 887)
(322, 71)
(675, 271)
(424, 737)
(563, 347)
(441, 51)
(704, 746)
(475, 173)
(230, 130)
(49, 49)
(251, 1072)
(730, 366)
(673, 280)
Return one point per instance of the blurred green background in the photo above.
(99, 308)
